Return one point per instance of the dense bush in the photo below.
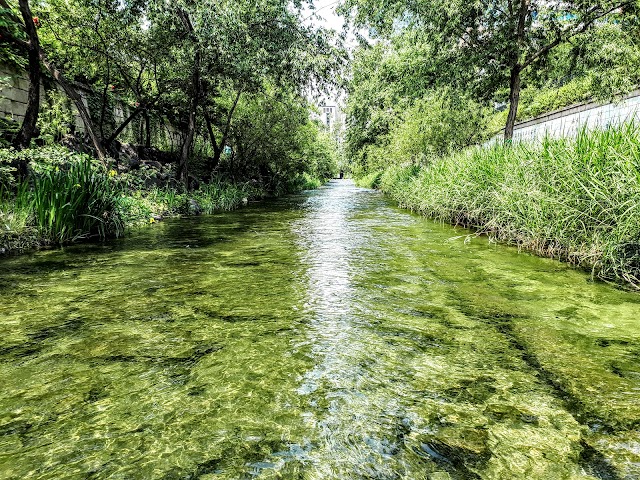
(55, 118)
(274, 142)
(437, 124)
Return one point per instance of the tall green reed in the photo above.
(75, 201)
(573, 199)
(220, 195)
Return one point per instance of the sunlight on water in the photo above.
(323, 336)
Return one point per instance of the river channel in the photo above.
(327, 335)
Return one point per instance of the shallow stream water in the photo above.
(328, 335)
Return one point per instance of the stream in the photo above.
(326, 335)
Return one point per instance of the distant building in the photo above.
(329, 115)
(332, 117)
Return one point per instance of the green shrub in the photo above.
(436, 125)
(41, 159)
(8, 129)
(540, 101)
(371, 180)
(7, 174)
(55, 118)
(218, 195)
(15, 218)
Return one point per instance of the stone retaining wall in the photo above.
(14, 97)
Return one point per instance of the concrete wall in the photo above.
(567, 122)
(14, 97)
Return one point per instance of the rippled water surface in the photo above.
(323, 336)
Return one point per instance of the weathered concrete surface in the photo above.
(14, 97)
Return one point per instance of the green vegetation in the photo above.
(447, 78)
(68, 196)
(494, 49)
(171, 108)
(73, 202)
(442, 122)
(573, 199)
(65, 198)
(140, 207)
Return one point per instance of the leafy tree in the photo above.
(274, 141)
(106, 44)
(188, 63)
(491, 43)
(438, 124)
(32, 47)
(240, 47)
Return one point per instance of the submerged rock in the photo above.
(194, 207)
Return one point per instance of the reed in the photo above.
(73, 202)
(577, 200)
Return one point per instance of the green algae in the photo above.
(329, 335)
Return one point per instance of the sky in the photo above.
(325, 15)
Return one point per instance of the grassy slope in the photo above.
(575, 200)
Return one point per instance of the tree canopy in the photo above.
(185, 64)
(487, 45)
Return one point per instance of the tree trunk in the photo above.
(196, 90)
(28, 128)
(514, 101)
(217, 151)
(147, 125)
(183, 166)
(105, 100)
(121, 128)
(77, 100)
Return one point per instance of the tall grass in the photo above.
(74, 202)
(370, 180)
(219, 195)
(59, 204)
(573, 199)
(140, 207)
(16, 229)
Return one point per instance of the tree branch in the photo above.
(561, 37)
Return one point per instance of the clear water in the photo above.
(329, 335)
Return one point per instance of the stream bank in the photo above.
(575, 200)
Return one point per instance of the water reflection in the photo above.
(345, 405)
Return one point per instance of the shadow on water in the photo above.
(321, 336)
